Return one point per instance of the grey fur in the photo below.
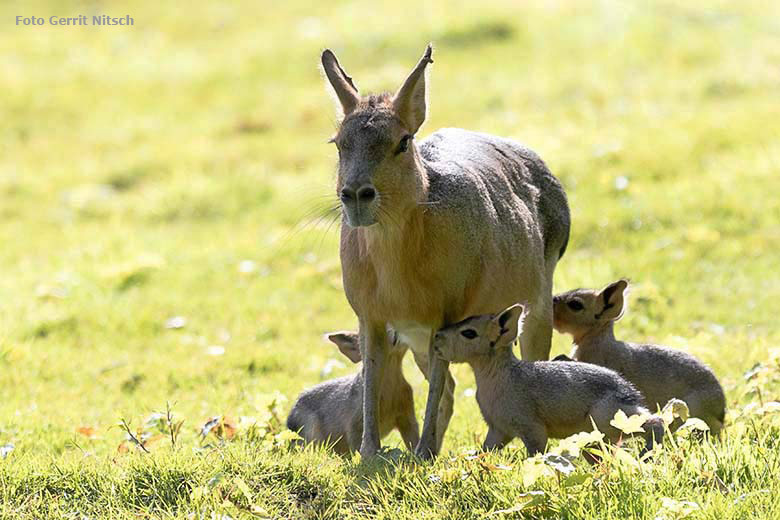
(332, 412)
(537, 400)
(460, 223)
(660, 373)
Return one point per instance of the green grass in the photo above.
(139, 167)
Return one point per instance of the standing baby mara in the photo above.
(332, 412)
(659, 373)
(537, 400)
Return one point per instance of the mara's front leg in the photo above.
(374, 350)
(536, 338)
(433, 430)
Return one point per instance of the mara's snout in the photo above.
(359, 204)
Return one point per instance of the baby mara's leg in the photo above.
(534, 436)
(495, 440)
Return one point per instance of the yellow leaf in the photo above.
(675, 509)
(574, 443)
(691, 425)
(530, 499)
(622, 459)
(533, 469)
(673, 409)
(259, 511)
(241, 485)
(702, 234)
(628, 425)
(287, 436)
(449, 475)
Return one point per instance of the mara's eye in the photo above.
(403, 145)
(468, 333)
(575, 305)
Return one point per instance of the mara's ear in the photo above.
(342, 84)
(348, 343)
(409, 102)
(612, 299)
(507, 325)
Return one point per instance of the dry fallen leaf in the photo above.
(494, 467)
(149, 441)
(222, 427)
(88, 432)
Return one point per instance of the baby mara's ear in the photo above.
(348, 343)
(612, 299)
(507, 325)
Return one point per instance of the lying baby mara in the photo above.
(541, 399)
(332, 412)
(659, 373)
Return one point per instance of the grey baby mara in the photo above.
(332, 412)
(537, 400)
(659, 373)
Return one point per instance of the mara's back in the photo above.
(664, 373)
(513, 178)
(565, 391)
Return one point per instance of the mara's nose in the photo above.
(365, 194)
(556, 299)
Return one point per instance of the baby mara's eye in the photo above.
(403, 145)
(468, 333)
(575, 305)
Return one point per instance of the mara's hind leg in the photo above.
(406, 422)
(602, 413)
(708, 408)
(536, 339)
(409, 430)
(446, 402)
(534, 436)
(495, 440)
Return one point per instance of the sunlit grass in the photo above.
(174, 168)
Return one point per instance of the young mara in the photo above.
(536, 400)
(333, 411)
(660, 373)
